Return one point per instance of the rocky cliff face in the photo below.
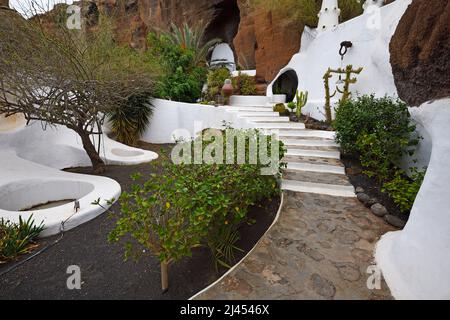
(265, 39)
(261, 38)
(420, 52)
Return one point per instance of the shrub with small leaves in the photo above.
(378, 130)
(192, 205)
(403, 189)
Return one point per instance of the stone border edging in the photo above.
(247, 255)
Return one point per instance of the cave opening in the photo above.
(225, 23)
(286, 83)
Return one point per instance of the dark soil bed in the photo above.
(104, 273)
(371, 186)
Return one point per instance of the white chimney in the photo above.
(328, 15)
(370, 4)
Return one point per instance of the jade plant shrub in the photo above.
(182, 78)
(403, 189)
(129, 122)
(377, 130)
(196, 204)
(17, 238)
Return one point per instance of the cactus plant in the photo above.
(301, 100)
(346, 94)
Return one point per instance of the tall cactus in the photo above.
(302, 99)
(346, 94)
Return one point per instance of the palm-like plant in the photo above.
(129, 122)
(192, 38)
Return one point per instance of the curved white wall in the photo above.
(416, 261)
(172, 118)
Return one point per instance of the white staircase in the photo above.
(312, 155)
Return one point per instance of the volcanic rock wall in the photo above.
(261, 38)
(420, 52)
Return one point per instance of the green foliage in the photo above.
(306, 11)
(379, 131)
(130, 121)
(350, 9)
(403, 190)
(302, 11)
(183, 78)
(247, 84)
(17, 238)
(191, 38)
(192, 205)
(215, 80)
(301, 100)
(292, 106)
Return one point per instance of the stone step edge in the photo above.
(318, 188)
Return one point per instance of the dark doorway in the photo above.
(286, 83)
(225, 23)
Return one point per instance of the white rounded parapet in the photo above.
(416, 261)
(32, 184)
(25, 185)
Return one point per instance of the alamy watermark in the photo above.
(228, 146)
(74, 280)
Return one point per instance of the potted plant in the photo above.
(292, 106)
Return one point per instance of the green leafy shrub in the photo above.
(305, 11)
(247, 84)
(193, 205)
(292, 106)
(215, 81)
(403, 189)
(182, 78)
(129, 122)
(379, 131)
(281, 109)
(17, 238)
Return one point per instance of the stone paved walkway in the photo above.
(322, 245)
(320, 248)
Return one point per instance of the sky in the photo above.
(23, 6)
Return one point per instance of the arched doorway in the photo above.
(286, 83)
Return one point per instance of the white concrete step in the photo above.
(318, 188)
(249, 100)
(308, 143)
(268, 119)
(307, 134)
(250, 109)
(324, 168)
(258, 114)
(288, 125)
(313, 153)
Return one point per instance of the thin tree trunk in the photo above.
(98, 164)
(164, 276)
